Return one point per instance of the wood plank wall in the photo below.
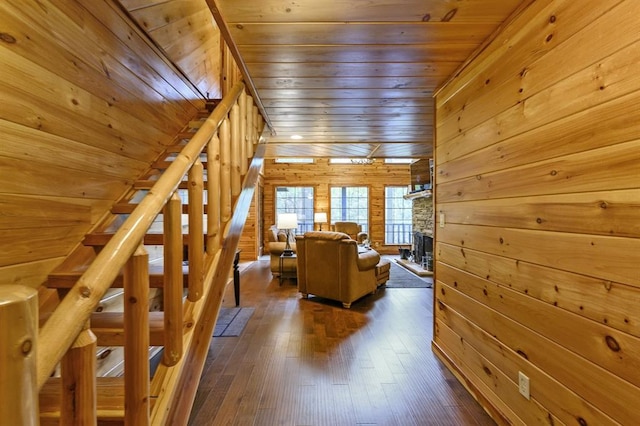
(87, 103)
(186, 31)
(322, 175)
(538, 176)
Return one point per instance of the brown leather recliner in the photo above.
(330, 266)
(352, 229)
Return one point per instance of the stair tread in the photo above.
(109, 398)
(102, 238)
(109, 329)
(127, 208)
(67, 278)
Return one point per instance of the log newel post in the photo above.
(18, 370)
(78, 374)
(173, 283)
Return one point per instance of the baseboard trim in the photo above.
(492, 410)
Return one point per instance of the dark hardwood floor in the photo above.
(311, 362)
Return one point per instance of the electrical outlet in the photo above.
(523, 385)
(441, 220)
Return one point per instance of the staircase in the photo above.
(147, 282)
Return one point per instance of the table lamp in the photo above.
(287, 221)
(320, 218)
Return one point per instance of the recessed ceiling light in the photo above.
(296, 137)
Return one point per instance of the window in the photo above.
(350, 204)
(398, 227)
(399, 160)
(293, 160)
(299, 200)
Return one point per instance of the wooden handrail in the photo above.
(67, 321)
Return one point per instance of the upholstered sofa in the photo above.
(276, 242)
(352, 229)
(330, 266)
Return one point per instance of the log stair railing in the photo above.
(116, 256)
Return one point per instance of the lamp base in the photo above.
(287, 253)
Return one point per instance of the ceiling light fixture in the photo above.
(296, 137)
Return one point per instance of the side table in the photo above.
(286, 272)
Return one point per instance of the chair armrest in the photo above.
(276, 248)
(367, 260)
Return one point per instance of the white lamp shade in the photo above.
(320, 217)
(287, 221)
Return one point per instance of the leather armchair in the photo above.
(276, 241)
(352, 229)
(330, 266)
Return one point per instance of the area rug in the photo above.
(400, 277)
(231, 321)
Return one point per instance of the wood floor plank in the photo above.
(311, 362)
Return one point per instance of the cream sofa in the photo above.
(276, 242)
(330, 266)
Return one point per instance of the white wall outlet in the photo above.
(441, 220)
(523, 385)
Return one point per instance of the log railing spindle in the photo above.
(196, 231)
(225, 171)
(173, 283)
(236, 143)
(249, 124)
(78, 374)
(244, 165)
(136, 333)
(213, 196)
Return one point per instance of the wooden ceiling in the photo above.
(354, 78)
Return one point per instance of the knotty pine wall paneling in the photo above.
(88, 102)
(322, 175)
(538, 175)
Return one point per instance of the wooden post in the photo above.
(213, 195)
(236, 143)
(18, 370)
(249, 124)
(78, 374)
(244, 165)
(136, 333)
(196, 231)
(225, 176)
(255, 129)
(173, 285)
